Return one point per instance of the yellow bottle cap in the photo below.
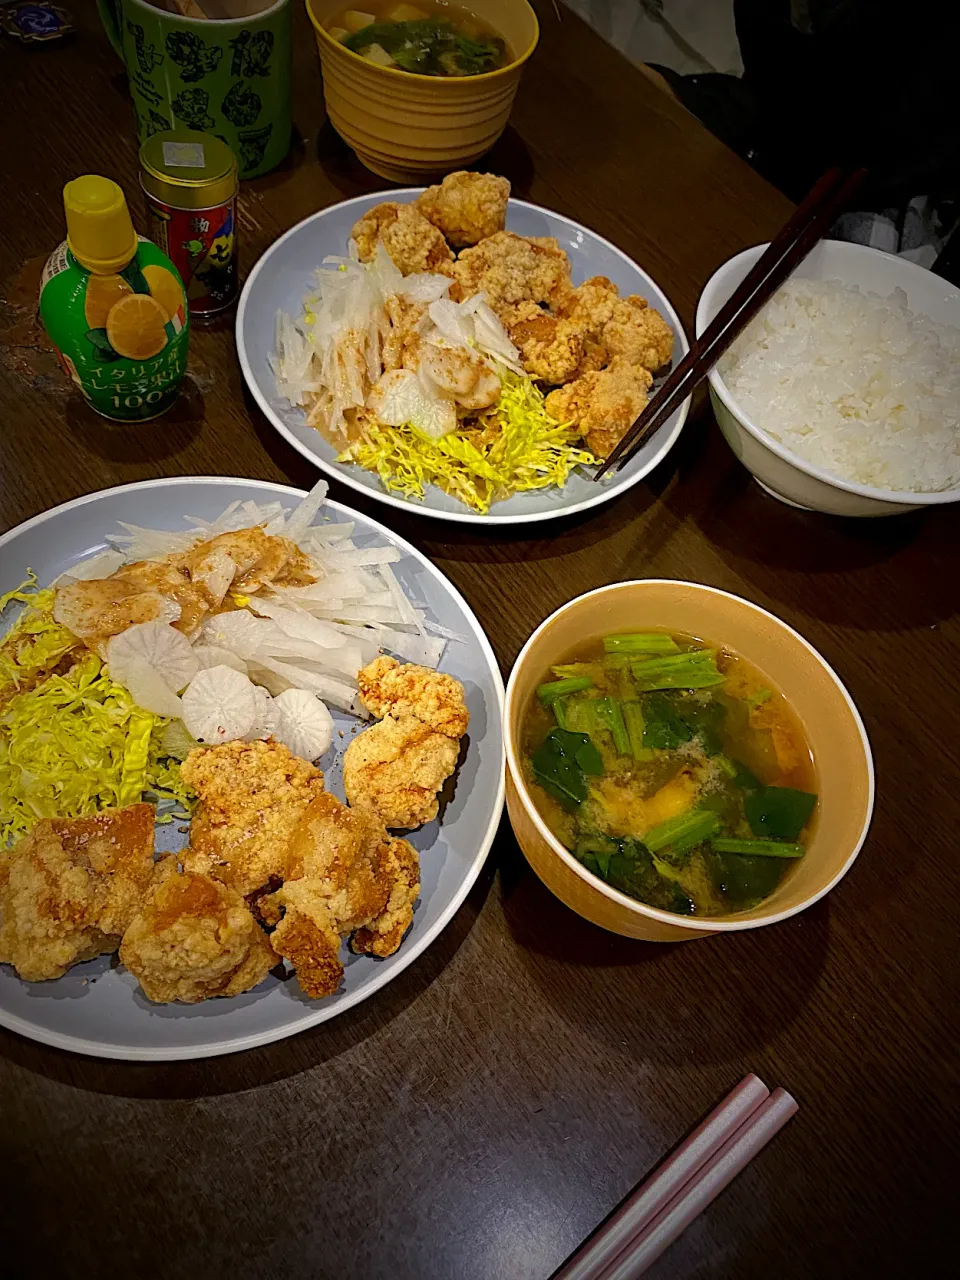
(100, 234)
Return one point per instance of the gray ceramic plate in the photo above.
(282, 276)
(97, 1007)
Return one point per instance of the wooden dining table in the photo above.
(479, 1115)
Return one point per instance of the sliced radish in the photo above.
(160, 646)
(267, 716)
(148, 689)
(214, 655)
(220, 705)
(240, 632)
(304, 725)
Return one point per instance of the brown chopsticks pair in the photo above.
(826, 200)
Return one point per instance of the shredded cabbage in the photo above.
(35, 643)
(78, 743)
(531, 451)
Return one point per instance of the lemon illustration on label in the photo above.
(102, 293)
(114, 307)
(165, 288)
(135, 327)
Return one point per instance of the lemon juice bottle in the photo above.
(114, 308)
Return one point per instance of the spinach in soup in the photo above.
(428, 40)
(671, 771)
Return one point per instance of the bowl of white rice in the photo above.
(843, 394)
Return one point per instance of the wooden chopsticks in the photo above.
(814, 215)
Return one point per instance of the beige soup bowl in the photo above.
(408, 127)
(831, 721)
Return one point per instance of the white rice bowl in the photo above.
(777, 455)
(855, 383)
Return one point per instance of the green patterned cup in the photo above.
(228, 77)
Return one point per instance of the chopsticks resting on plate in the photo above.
(679, 1189)
(813, 217)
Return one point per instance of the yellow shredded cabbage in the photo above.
(74, 743)
(35, 643)
(531, 451)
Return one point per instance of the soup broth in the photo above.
(672, 770)
(429, 39)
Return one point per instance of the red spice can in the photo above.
(189, 182)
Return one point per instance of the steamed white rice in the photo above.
(854, 383)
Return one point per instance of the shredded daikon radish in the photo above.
(311, 640)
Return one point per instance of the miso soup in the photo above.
(672, 770)
(428, 39)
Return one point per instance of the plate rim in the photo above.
(342, 473)
(237, 1044)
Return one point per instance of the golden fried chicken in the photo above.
(412, 242)
(345, 874)
(307, 936)
(194, 938)
(550, 349)
(511, 269)
(399, 872)
(602, 405)
(625, 327)
(466, 207)
(71, 886)
(252, 795)
(332, 888)
(389, 688)
(397, 767)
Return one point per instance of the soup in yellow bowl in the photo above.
(757, 792)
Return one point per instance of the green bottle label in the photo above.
(122, 338)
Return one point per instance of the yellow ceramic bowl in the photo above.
(406, 127)
(833, 726)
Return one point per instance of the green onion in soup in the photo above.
(429, 39)
(672, 771)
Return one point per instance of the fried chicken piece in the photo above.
(252, 795)
(399, 870)
(389, 688)
(466, 207)
(550, 349)
(396, 768)
(309, 939)
(595, 357)
(412, 242)
(625, 327)
(602, 405)
(194, 938)
(643, 337)
(512, 269)
(70, 887)
(334, 886)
